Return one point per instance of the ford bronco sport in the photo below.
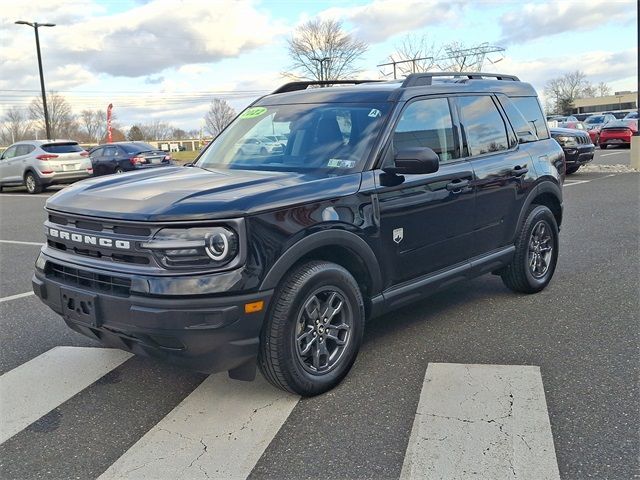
(382, 193)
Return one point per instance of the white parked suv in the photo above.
(37, 164)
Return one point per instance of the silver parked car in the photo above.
(40, 163)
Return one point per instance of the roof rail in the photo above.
(304, 84)
(426, 78)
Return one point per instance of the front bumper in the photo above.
(203, 333)
(578, 155)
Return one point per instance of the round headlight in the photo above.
(217, 246)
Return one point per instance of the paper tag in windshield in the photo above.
(374, 113)
(253, 112)
(338, 163)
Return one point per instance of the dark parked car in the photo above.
(123, 157)
(385, 192)
(618, 133)
(577, 147)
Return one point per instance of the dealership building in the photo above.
(618, 102)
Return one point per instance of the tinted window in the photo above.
(109, 151)
(531, 111)
(9, 153)
(483, 125)
(524, 130)
(24, 149)
(96, 152)
(136, 147)
(427, 123)
(69, 147)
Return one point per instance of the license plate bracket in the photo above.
(79, 306)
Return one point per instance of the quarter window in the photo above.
(427, 123)
(483, 125)
(531, 111)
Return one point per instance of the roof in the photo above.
(44, 142)
(397, 90)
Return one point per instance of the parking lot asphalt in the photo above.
(582, 332)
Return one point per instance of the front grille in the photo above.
(584, 139)
(96, 228)
(93, 281)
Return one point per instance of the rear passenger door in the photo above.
(501, 170)
(425, 219)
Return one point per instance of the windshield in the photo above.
(332, 137)
(595, 119)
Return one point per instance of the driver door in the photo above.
(426, 220)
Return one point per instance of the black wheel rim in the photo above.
(540, 249)
(323, 330)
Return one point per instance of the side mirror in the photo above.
(415, 160)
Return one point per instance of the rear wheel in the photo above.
(603, 146)
(572, 169)
(118, 170)
(314, 330)
(536, 252)
(32, 182)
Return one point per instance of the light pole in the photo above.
(35, 26)
(321, 61)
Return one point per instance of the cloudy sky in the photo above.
(165, 59)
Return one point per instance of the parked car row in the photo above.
(37, 164)
(617, 132)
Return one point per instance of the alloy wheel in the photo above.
(540, 249)
(323, 330)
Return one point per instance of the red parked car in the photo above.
(595, 122)
(617, 133)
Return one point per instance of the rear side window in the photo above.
(69, 147)
(483, 125)
(110, 151)
(24, 150)
(9, 153)
(524, 130)
(427, 123)
(531, 111)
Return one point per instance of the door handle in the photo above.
(457, 186)
(518, 171)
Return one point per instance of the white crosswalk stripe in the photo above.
(481, 421)
(472, 421)
(38, 386)
(219, 431)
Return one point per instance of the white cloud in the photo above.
(530, 21)
(382, 19)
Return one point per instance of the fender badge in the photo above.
(398, 235)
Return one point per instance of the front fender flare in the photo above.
(325, 238)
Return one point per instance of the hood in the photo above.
(567, 131)
(183, 193)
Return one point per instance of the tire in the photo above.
(519, 275)
(571, 170)
(32, 182)
(603, 146)
(118, 170)
(281, 360)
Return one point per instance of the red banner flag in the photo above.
(109, 136)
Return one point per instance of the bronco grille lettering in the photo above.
(90, 239)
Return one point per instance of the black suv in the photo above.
(383, 193)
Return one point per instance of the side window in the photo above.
(427, 123)
(109, 151)
(524, 130)
(96, 153)
(23, 150)
(9, 153)
(483, 125)
(531, 111)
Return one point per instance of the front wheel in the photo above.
(572, 169)
(603, 146)
(536, 252)
(314, 330)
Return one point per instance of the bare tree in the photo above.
(61, 118)
(156, 130)
(219, 116)
(135, 134)
(561, 92)
(93, 124)
(322, 50)
(603, 89)
(15, 125)
(414, 54)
